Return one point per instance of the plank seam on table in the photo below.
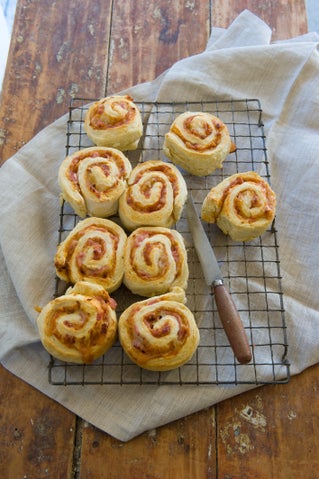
(109, 51)
(77, 448)
(79, 424)
(215, 407)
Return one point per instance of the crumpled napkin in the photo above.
(239, 62)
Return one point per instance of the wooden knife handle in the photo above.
(232, 324)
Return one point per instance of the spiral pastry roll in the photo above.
(114, 121)
(159, 333)
(93, 251)
(155, 196)
(79, 326)
(93, 179)
(243, 206)
(198, 142)
(155, 261)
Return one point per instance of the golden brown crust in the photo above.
(198, 142)
(114, 121)
(155, 196)
(159, 333)
(243, 206)
(93, 179)
(93, 251)
(155, 261)
(79, 326)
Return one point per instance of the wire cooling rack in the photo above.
(251, 270)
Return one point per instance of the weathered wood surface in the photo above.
(83, 48)
(37, 434)
(184, 449)
(287, 19)
(271, 432)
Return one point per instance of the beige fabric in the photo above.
(238, 63)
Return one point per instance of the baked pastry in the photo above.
(93, 251)
(93, 179)
(155, 260)
(243, 206)
(114, 121)
(159, 333)
(198, 142)
(155, 196)
(79, 326)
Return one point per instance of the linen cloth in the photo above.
(239, 62)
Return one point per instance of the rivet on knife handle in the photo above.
(231, 322)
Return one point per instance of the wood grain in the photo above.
(286, 19)
(155, 37)
(37, 434)
(271, 431)
(183, 449)
(59, 50)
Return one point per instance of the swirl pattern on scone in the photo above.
(114, 121)
(79, 326)
(243, 206)
(155, 196)
(198, 142)
(155, 260)
(93, 251)
(93, 179)
(159, 333)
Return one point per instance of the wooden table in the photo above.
(91, 48)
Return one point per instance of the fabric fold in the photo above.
(246, 30)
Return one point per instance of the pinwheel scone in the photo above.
(93, 251)
(155, 260)
(155, 196)
(80, 325)
(243, 206)
(93, 179)
(159, 333)
(198, 142)
(114, 121)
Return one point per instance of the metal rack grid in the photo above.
(251, 270)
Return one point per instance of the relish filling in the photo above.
(123, 113)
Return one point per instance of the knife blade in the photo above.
(226, 307)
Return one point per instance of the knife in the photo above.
(227, 310)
